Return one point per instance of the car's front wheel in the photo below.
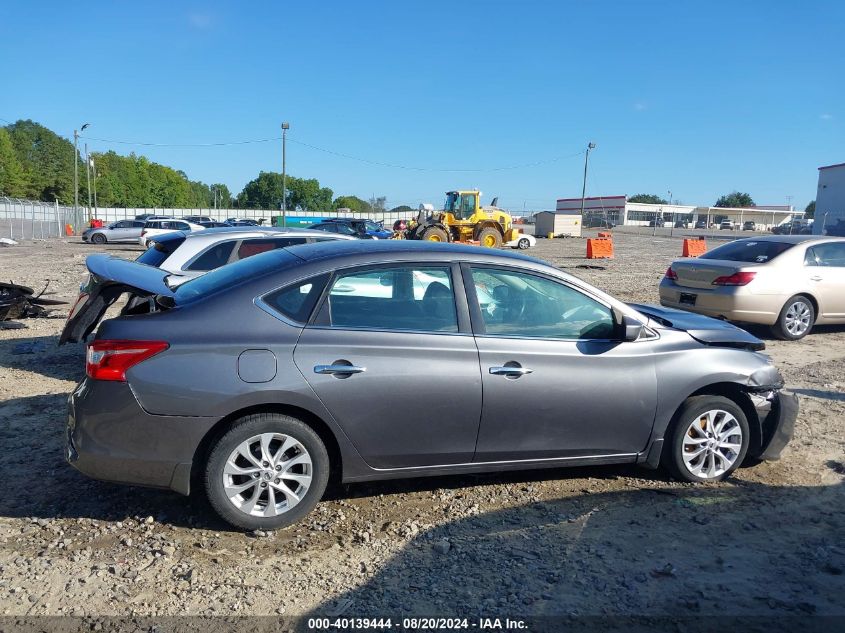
(266, 472)
(98, 238)
(708, 439)
(523, 244)
(795, 320)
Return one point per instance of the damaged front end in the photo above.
(776, 413)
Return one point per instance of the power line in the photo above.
(341, 154)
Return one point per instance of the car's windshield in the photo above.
(756, 251)
(372, 226)
(234, 274)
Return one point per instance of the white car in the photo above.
(522, 242)
(186, 255)
(166, 225)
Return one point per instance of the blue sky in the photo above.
(696, 98)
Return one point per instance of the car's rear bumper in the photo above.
(110, 437)
(723, 302)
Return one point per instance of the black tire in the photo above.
(98, 238)
(250, 427)
(795, 320)
(490, 237)
(435, 234)
(523, 243)
(693, 410)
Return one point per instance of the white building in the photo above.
(619, 211)
(830, 198)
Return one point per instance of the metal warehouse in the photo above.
(830, 198)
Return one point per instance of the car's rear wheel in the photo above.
(708, 439)
(795, 320)
(98, 238)
(267, 472)
(523, 243)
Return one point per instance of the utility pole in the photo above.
(94, 171)
(285, 128)
(76, 173)
(88, 176)
(584, 186)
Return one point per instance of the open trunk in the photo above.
(109, 277)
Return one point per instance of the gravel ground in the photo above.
(771, 541)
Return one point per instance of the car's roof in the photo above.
(395, 248)
(791, 239)
(221, 233)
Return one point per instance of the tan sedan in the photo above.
(790, 282)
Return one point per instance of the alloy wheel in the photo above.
(712, 444)
(267, 474)
(797, 318)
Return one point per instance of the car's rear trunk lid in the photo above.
(701, 273)
(109, 277)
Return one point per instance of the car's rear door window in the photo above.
(248, 248)
(830, 254)
(517, 304)
(296, 302)
(214, 257)
(417, 298)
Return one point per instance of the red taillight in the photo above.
(737, 279)
(109, 360)
(671, 274)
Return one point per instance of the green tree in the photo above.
(264, 192)
(47, 161)
(736, 200)
(353, 203)
(810, 210)
(306, 194)
(402, 208)
(12, 176)
(647, 198)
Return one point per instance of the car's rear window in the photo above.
(234, 274)
(160, 251)
(754, 251)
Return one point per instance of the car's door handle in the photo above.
(510, 371)
(816, 278)
(338, 369)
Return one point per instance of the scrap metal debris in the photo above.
(20, 302)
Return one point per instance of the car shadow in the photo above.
(42, 355)
(676, 553)
(838, 396)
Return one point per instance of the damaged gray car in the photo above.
(263, 379)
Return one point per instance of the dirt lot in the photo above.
(770, 541)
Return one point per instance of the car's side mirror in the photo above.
(629, 328)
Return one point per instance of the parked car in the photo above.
(797, 226)
(197, 219)
(522, 242)
(264, 378)
(215, 225)
(244, 222)
(789, 282)
(159, 227)
(341, 229)
(151, 216)
(726, 225)
(682, 224)
(362, 225)
(188, 255)
(749, 225)
(120, 231)
(701, 224)
(657, 222)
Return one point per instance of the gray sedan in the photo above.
(120, 231)
(263, 379)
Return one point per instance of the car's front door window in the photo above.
(517, 304)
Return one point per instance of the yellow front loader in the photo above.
(463, 219)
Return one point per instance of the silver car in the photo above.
(361, 360)
(789, 282)
(120, 231)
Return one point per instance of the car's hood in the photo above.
(108, 278)
(702, 328)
